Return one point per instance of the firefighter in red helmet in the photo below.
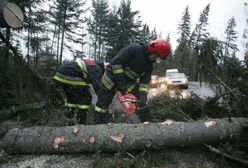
(130, 71)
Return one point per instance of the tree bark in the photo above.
(13, 49)
(114, 137)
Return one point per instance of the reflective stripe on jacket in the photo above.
(107, 81)
(131, 77)
(83, 67)
(73, 73)
(70, 80)
(144, 88)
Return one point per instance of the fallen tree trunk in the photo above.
(114, 137)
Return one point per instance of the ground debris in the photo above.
(48, 161)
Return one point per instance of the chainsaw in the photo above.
(129, 102)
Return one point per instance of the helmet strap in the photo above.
(152, 57)
(158, 60)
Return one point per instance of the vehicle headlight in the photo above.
(185, 81)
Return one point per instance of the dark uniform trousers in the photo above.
(78, 97)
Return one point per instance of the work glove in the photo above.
(122, 90)
(144, 115)
(81, 116)
(142, 101)
(142, 104)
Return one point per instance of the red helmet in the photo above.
(160, 46)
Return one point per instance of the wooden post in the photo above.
(10, 15)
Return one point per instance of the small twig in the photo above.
(221, 95)
(217, 151)
(223, 84)
(229, 113)
(130, 155)
(186, 116)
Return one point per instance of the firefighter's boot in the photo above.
(101, 118)
(69, 114)
(81, 116)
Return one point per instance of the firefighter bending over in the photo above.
(130, 71)
(74, 77)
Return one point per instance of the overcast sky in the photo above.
(165, 15)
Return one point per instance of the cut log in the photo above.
(10, 15)
(114, 137)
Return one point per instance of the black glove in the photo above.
(144, 115)
(122, 90)
(142, 101)
(142, 104)
(81, 116)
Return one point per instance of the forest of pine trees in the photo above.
(57, 30)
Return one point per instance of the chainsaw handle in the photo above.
(131, 100)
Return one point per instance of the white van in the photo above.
(170, 71)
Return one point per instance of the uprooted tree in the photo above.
(114, 137)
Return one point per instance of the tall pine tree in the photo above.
(230, 46)
(197, 38)
(125, 26)
(182, 52)
(112, 36)
(145, 34)
(67, 18)
(97, 27)
(245, 33)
